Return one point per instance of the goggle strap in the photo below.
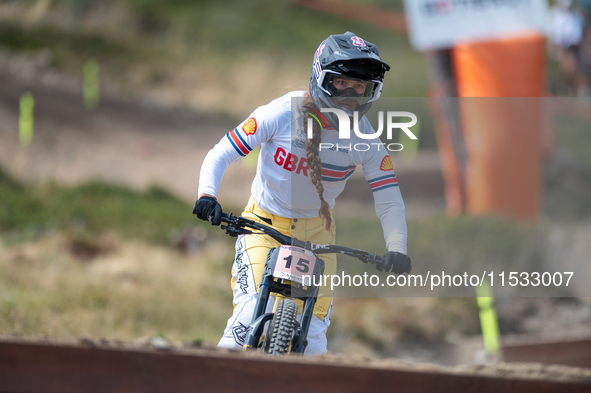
(378, 91)
(318, 114)
(320, 81)
(318, 121)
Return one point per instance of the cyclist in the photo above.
(296, 182)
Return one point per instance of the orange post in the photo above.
(501, 124)
(511, 67)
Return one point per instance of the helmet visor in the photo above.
(341, 86)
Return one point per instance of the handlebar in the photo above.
(238, 225)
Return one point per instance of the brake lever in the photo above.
(234, 232)
(373, 259)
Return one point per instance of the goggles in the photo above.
(343, 87)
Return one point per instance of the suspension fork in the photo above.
(259, 318)
(300, 339)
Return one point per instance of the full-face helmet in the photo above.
(346, 56)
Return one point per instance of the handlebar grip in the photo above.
(228, 217)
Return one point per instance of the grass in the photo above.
(567, 176)
(28, 212)
(136, 290)
(439, 242)
(384, 325)
(572, 135)
(97, 260)
(13, 36)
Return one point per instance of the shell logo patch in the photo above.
(250, 127)
(386, 164)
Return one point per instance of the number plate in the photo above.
(295, 263)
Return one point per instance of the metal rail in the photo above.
(46, 368)
(576, 353)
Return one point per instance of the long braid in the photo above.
(312, 146)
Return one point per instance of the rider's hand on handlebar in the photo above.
(396, 262)
(207, 208)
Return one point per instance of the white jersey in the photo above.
(282, 186)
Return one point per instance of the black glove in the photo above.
(395, 262)
(208, 209)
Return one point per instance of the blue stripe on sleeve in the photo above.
(385, 186)
(389, 176)
(233, 144)
(337, 167)
(242, 140)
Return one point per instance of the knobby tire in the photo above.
(282, 327)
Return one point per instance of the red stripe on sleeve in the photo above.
(383, 182)
(333, 173)
(239, 143)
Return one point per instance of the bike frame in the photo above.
(238, 225)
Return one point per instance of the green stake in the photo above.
(91, 84)
(488, 318)
(411, 146)
(25, 124)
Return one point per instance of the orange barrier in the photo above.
(511, 67)
(504, 155)
(501, 136)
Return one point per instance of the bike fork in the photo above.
(300, 340)
(259, 318)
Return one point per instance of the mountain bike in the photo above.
(292, 270)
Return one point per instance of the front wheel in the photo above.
(281, 328)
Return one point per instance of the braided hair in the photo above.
(310, 111)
